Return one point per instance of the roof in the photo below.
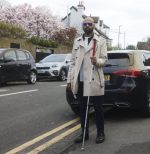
(66, 16)
(96, 19)
(102, 34)
(105, 26)
(73, 7)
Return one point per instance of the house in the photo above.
(75, 18)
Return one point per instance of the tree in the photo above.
(130, 47)
(144, 45)
(148, 43)
(114, 48)
(11, 31)
(37, 21)
(65, 36)
(4, 3)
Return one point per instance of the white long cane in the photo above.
(87, 108)
(86, 116)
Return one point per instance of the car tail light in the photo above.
(132, 73)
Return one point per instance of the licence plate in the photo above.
(41, 71)
(107, 77)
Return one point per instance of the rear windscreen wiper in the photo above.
(109, 65)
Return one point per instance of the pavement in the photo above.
(128, 135)
(119, 146)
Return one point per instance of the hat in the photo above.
(88, 19)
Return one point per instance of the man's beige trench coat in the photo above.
(96, 86)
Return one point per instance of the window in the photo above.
(27, 55)
(118, 59)
(55, 58)
(1, 59)
(10, 56)
(21, 55)
(146, 59)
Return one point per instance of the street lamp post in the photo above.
(119, 37)
(124, 40)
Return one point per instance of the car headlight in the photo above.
(55, 65)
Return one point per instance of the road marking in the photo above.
(3, 90)
(54, 140)
(37, 139)
(63, 85)
(21, 92)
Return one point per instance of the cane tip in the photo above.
(82, 149)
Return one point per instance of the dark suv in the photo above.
(127, 81)
(17, 65)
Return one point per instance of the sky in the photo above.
(132, 17)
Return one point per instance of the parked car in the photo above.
(127, 81)
(17, 65)
(54, 66)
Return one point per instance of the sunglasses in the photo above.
(87, 24)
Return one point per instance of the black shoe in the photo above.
(79, 139)
(100, 138)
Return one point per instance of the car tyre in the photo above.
(32, 77)
(145, 106)
(75, 109)
(4, 83)
(62, 75)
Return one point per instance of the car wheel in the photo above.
(2, 83)
(63, 75)
(145, 106)
(75, 109)
(32, 77)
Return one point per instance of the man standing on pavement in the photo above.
(79, 76)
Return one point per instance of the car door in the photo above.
(10, 67)
(24, 65)
(1, 68)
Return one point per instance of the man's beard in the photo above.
(88, 31)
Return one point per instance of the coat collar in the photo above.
(81, 41)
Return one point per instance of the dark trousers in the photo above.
(97, 103)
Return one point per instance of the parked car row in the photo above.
(127, 75)
(19, 65)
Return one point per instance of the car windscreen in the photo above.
(54, 58)
(118, 59)
(1, 51)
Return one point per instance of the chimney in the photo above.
(81, 7)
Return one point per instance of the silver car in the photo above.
(54, 66)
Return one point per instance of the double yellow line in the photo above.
(48, 143)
